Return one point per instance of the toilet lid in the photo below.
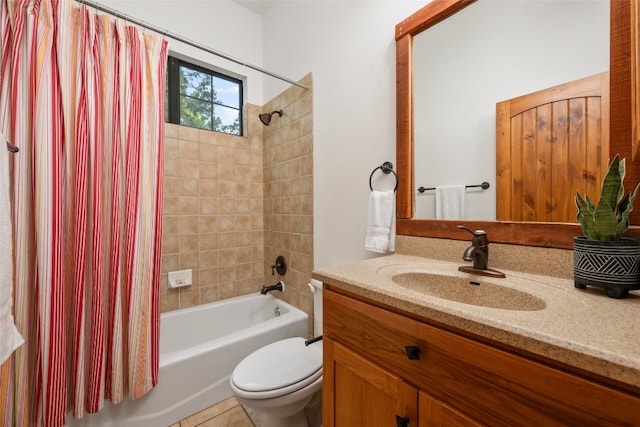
(279, 365)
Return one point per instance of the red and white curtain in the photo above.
(82, 96)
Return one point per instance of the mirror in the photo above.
(461, 75)
(559, 235)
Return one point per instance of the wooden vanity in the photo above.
(386, 366)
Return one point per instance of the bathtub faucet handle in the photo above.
(280, 266)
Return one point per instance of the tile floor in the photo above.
(228, 413)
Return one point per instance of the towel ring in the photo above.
(386, 167)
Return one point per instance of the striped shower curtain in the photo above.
(82, 96)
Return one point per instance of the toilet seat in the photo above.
(277, 369)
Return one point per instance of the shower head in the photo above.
(265, 118)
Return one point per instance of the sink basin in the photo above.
(471, 291)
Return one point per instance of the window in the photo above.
(202, 98)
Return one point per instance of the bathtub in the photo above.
(199, 347)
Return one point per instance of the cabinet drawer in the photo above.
(491, 385)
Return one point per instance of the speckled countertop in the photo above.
(581, 328)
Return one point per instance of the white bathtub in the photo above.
(199, 347)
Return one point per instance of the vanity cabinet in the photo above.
(385, 368)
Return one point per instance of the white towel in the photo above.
(381, 222)
(450, 202)
(10, 339)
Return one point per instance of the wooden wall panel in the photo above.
(561, 178)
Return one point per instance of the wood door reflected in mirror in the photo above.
(549, 144)
(546, 234)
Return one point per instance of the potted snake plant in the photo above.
(603, 257)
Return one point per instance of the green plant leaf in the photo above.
(612, 190)
(591, 206)
(610, 218)
(624, 209)
(586, 214)
(622, 206)
(606, 221)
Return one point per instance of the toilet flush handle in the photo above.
(312, 340)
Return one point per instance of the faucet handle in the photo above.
(479, 236)
(475, 233)
(280, 266)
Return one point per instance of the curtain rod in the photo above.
(179, 38)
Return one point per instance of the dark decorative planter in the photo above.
(612, 265)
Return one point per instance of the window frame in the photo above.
(173, 92)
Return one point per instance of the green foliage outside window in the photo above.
(203, 99)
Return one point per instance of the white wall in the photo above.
(350, 48)
(221, 25)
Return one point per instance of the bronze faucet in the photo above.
(277, 287)
(478, 252)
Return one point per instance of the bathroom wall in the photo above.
(217, 208)
(233, 204)
(288, 193)
(350, 48)
(213, 213)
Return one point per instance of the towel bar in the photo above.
(484, 186)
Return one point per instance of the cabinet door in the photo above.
(358, 393)
(434, 413)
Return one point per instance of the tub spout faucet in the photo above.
(478, 252)
(277, 287)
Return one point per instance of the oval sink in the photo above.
(469, 291)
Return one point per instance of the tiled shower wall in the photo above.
(229, 201)
(288, 193)
(213, 213)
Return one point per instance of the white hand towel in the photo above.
(10, 339)
(450, 201)
(381, 233)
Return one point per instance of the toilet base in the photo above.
(291, 414)
(313, 410)
(283, 411)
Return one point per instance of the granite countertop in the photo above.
(580, 328)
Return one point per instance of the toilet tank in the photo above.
(316, 288)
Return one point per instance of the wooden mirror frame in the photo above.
(545, 234)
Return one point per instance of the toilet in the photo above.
(278, 380)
